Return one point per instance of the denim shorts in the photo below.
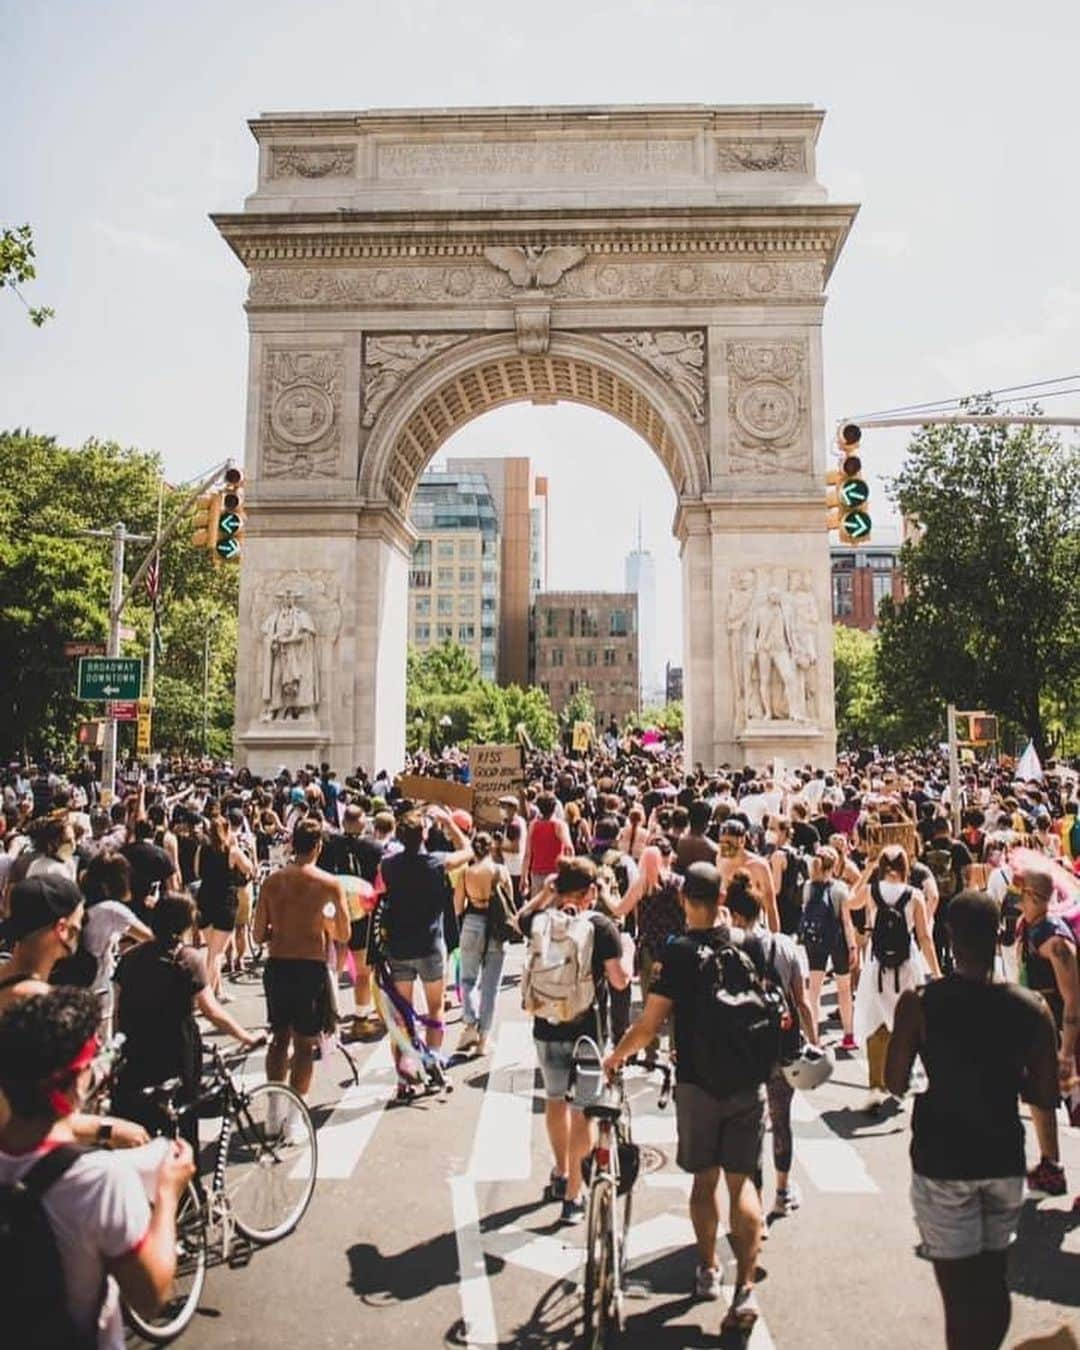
(426, 969)
(556, 1059)
(958, 1219)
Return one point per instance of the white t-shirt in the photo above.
(104, 924)
(98, 1212)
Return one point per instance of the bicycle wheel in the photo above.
(270, 1162)
(179, 1307)
(600, 1272)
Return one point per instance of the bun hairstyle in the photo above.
(481, 846)
(740, 897)
(893, 861)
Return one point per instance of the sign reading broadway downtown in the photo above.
(496, 771)
(103, 678)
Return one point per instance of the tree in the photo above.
(668, 719)
(17, 267)
(580, 707)
(990, 619)
(54, 588)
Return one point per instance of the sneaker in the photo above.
(275, 1115)
(468, 1039)
(874, 1102)
(295, 1131)
(743, 1312)
(573, 1211)
(556, 1187)
(481, 1045)
(849, 1044)
(707, 1283)
(1076, 1205)
(1048, 1178)
(225, 997)
(786, 1203)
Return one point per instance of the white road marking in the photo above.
(502, 1146)
(477, 1308)
(833, 1164)
(345, 1136)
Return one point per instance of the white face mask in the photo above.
(770, 836)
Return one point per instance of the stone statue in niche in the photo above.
(290, 684)
(773, 640)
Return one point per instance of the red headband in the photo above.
(60, 1104)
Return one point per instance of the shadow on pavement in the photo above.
(383, 1281)
(850, 1123)
(1037, 1265)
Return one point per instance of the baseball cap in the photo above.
(37, 902)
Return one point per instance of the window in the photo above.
(587, 656)
(422, 632)
(843, 594)
(466, 548)
(571, 625)
(488, 634)
(545, 688)
(882, 585)
(445, 550)
(421, 554)
(466, 606)
(445, 576)
(444, 632)
(487, 605)
(422, 608)
(620, 623)
(610, 656)
(419, 578)
(589, 625)
(550, 624)
(466, 576)
(444, 605)
(466, 632)
(556, 657)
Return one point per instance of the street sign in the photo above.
(856, 524)
(125, 711)
(74, 649)
(142, 735)
(109, 677)
(228, 548)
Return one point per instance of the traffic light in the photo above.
(230, 522)
(848, 489)
(205, 524)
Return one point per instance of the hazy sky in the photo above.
(953, 124)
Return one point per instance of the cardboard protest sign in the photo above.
(420, 788)
(496, 772)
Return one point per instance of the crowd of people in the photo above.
(948, 929)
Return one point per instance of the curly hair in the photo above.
(39, 1037)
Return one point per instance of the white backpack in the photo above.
(557, 982)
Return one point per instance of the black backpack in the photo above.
(890, 942)
(738, 1019)
(34, 1297)
(819, 924)
(791, 888)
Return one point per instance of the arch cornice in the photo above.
(624, 385)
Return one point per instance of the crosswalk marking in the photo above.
(345, 1136)
(477, 1309)
(502, 1146)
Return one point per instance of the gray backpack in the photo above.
(557, 982)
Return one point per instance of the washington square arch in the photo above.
(412, 270)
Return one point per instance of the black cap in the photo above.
(38, 902)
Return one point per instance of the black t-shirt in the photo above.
(677, 976)
(804, 837)
(966, 1125)
(157, 1012)
(149, 865)
(417, 889)
(352, 855)
(607, 946)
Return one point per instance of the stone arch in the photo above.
(477, 375)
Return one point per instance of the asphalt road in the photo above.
(427, 1227)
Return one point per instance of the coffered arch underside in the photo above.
(477, 376)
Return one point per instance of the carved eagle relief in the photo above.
(533, 268)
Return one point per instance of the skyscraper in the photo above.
(641, 581)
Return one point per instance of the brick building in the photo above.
(861, 579)
(587, 638)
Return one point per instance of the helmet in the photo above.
(812, 1068)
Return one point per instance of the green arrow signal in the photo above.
(229, 523)
(854, 492)
(229, 548)
(856, 524)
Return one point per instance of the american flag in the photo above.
(153, 578)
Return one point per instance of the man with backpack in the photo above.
(727, 1043)
(74, 1224)
(573, 955)
(790, 873)
(948, 861)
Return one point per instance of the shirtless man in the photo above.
(300, 908)
(734, 857)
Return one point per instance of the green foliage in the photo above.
(444, 682)
(991, 619)
(17, 267)
(54, 588)
(668, 719)
(580, 707)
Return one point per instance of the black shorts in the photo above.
(818, 958)
(218, 911)
(358, 934)
(297, 996)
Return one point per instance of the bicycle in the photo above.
(610, 1171)
(265, 1166)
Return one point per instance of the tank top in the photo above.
(546, 847)
(966, 1125)
(660, 916)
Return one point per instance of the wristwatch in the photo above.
(104, 1134)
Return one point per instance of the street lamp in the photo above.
(445, 723)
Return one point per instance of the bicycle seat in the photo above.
(603, 1110)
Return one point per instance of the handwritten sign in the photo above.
(420, 788)
(496, 772)
(583, 734)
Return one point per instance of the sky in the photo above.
(953, 125)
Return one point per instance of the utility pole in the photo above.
(954, 771)
(206, 692)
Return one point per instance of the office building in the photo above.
(588, 638)
(641, 581)
(673, 683)
(861, 579)
(521, 507)
(454, 574)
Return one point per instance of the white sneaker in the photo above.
(275, 1116)
(875, 1101)
(786, 1203)
(707, 1283)
(469, 1037)
(743, 1312)
(295, 1131)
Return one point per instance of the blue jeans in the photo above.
(478, 969)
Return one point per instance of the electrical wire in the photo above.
(941, 404)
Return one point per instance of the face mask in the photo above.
(770, 836)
